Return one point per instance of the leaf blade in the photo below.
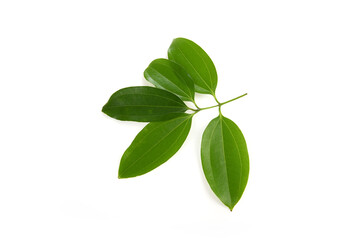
(196, 62)
(154, 145)
(225, 160)
(170, 76)
(144, 104)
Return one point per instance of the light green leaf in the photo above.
(170, 76)
(225, 160)
(196, 62)
(144, 104)
(154, 145)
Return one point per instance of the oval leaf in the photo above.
(154, 145)
(170, 76)
(144, 104)
(225, 160)
(196, 62)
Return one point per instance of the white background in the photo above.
(61, 60)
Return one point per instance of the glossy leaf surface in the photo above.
(196, 62)
(170, 76)
(225, 160)
(144, 104)
(154, 145)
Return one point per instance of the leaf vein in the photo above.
(204, 62)
(154, 145)
(209, 88)
(147, 94)
(174, 85)
(225, 161)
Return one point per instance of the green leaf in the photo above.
(144, 104)
(225, 160)
(154, 145)
(170, 76)
(196, 62)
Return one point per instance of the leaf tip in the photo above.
(231, 207)
(119, 175)
(103, 109)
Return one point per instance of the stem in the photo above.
(196, 105)
(208, 107)
(195, 110)
(215, 98)
(233, 99)
(218, 105)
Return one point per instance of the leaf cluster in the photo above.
(188, 70)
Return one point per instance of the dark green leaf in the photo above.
(225, 160)
(154, 145)
(144, 104)
(170, 76)
(196, 62)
